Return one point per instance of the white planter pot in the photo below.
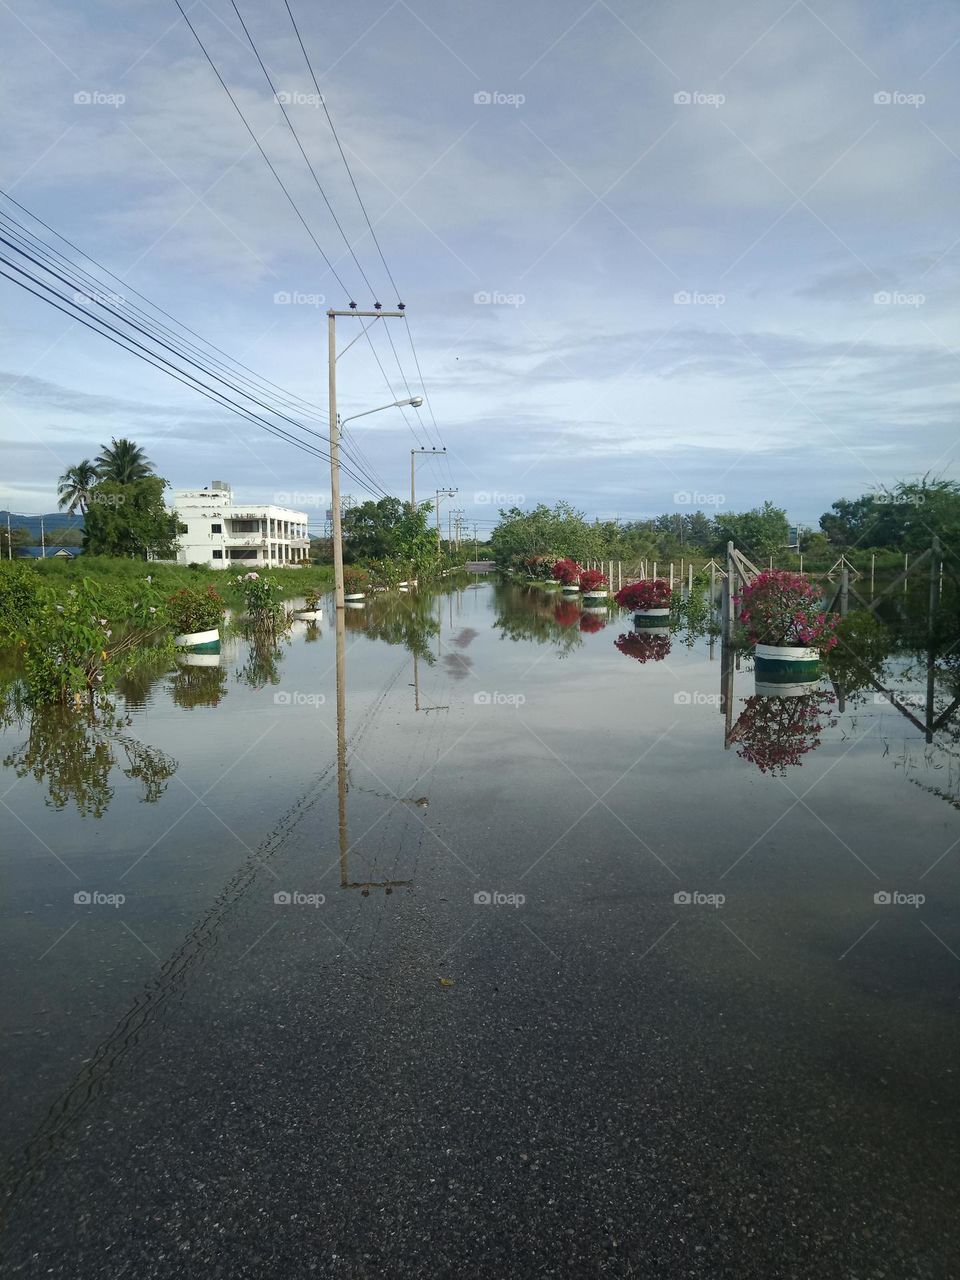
(785, 664)
(193, 639)
(598, 593)
(310, 615)
(198, 659)
(354, 596)
(571, 590)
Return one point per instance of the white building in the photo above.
(225, 534)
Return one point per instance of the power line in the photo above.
(370, 227)
(314, 409)
(129, 344)
(256, 140)
(296, 138)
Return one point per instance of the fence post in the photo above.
(873, 562)
(844, 590)
(671, 575)
(906, 566)
(689, 579)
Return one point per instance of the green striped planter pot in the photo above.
(772, 689)
(199, 641)
(785, 664)
(571, 590)
(644, 619)
(599, 594)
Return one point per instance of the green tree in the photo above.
(130, 520)
(760, 532)
(73, 487)
(123, 462)
(559, 531)
(388, 530)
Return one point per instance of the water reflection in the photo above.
(531, 614)
(72, 754)
(199, 680)
(343, 786)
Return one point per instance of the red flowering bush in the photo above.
(590, 579)
(779, 607)
(592, 621)
(643, 647)
(566, 612)
(567, 572)
(648, 593)
(775, 732)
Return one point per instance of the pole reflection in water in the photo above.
(342, 786)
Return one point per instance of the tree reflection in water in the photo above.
(72, 753)
(531, 615)
(402, 619)
(198, 685)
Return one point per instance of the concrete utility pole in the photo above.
(441, 493)
(413, 478)
(335, 436)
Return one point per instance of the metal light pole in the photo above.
(335, 437)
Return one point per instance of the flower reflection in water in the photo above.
(774, 731)
(643, 646)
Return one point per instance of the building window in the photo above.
(218, 555)
(216, 528)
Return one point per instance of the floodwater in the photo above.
(520, 949)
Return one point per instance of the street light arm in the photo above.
(416, 401)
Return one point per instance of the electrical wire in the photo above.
(267, 160)
(313, 409)
(127, 343)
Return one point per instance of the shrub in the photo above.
(355, 579)
(195, 609)
(591, 579)
(82, 640)
(261, 596)
(648, 593)
(19, 594)
(783, 608)
(567, 572)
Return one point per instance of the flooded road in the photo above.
(541, 958)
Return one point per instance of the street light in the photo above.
(414, 401)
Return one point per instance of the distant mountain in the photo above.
(52, 522)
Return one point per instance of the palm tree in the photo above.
(123, 462)
(73, 487)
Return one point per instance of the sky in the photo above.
(654, 257)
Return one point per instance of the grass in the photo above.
(171, 577)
